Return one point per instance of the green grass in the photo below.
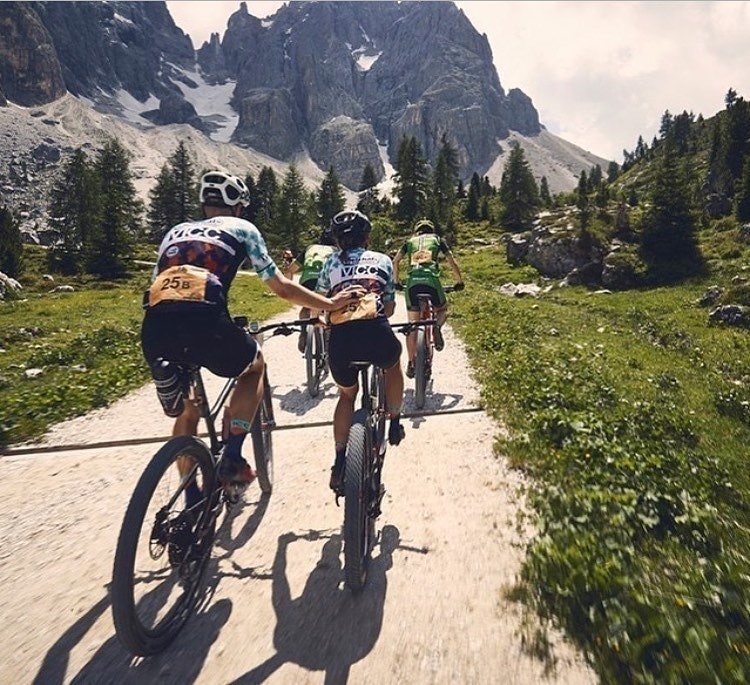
(630, 414)
(86, 344)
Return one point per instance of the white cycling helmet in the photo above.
(221, 189)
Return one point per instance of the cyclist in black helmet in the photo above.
(187, 320)
(361, 331)
(310, 262)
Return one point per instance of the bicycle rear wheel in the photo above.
(163, 548)
(420, 370)
(314, 360)
(359, 528)
(261, 433)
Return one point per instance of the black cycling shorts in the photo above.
(437, 297)
(206, 337)
(310, 284)
(372, 340)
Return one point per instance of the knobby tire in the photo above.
(261, 433)
(358, 528)
(314, 360)
(139, 525)
(377, 395)
(420, 370)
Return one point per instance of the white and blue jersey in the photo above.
(219, 245)
(359, 267)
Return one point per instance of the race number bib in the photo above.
(183, 283)
(364, 308)
(421, 257)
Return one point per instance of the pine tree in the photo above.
(250, 213)
(329, 199)
(411, 180)
(669, 244)
(162, 206)
(113, 241)
(613, 171)
(268, 190)
(174, 199)
(11, 244)
(472, 205)
(544, 194)
(742, 196)
(291, 211)
(518, 192)
(582, 201)
(444, 183)
(369, 200)
(75, 211)
(186, 185)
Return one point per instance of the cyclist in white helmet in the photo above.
(187, 320)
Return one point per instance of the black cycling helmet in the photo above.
(350, 228)
(424, 226)
(219, 189)
(326, 237)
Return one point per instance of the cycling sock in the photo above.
(233, 449)
(340, 457)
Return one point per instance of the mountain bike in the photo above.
(425, 346)
(316, 358)
(164, 547)
(365, 455)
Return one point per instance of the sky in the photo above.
(600, 74)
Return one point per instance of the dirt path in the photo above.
(433, 610)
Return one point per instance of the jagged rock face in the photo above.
(273, 119)
(343, 144)
(128, 45)
(404, 69)
(30, 72)
(174, 109)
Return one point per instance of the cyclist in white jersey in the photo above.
(187, 320)
(361, 331)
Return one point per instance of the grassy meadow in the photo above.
(84, 345)
(631, 415)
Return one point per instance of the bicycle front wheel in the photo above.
(359, 528)
(163, 547)
(420, 370)
(377, 394)
(261, 433)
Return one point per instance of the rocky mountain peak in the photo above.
(339, 82)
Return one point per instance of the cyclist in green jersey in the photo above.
(309, 263)
(422, 251)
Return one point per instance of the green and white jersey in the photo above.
(422, 252)
(311, 261)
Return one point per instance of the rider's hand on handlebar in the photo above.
(458, 286)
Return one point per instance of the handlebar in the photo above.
(281, 328)
(456, 287)
(408, 326)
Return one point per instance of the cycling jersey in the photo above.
(311, 261)
(359, 266)
(423, 271)
(198, 260)
(422, 252)
(361, 331)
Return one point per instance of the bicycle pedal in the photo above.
(233, 492)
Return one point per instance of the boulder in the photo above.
(731, 314)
